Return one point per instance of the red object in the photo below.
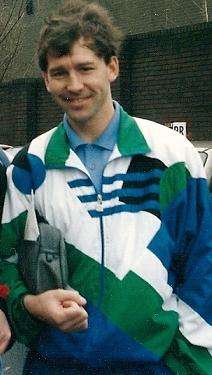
(4, 291)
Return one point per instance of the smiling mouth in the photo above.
(74, 100)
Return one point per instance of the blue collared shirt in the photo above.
(96, 154)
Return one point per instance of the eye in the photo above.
(86, 68)
(58, 73)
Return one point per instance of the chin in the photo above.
(79, 117)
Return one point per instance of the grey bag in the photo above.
(43, 263)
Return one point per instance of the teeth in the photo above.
(76, 100)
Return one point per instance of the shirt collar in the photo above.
(106, 140)
(130, 141)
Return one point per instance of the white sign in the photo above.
(180, 127)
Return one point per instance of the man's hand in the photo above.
(5, 333)
(60, 308)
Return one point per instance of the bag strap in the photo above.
(31, 231)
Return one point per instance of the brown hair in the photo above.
(76, 19)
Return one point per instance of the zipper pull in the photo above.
(99, 206)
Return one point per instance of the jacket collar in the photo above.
(58, 149)
(130, 142)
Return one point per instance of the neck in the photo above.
(91, 129)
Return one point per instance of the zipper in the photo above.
(99, 208)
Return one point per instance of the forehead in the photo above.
(80, 53)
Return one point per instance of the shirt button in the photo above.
(92, 167)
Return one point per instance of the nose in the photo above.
(74, 83)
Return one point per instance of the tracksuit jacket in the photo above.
(139, 252)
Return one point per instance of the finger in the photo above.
(75, 326)
(80, 328)
(70, 315)
(75, 312)
(74, 323)
(72, 295)
(69, 303)
(73, 317)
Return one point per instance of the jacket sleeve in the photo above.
(16, 206)
(187, 215)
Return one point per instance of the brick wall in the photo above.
(49, 114)
(165, 76)
(169, 77)
(13, 113)
(27, 110)
(137, 16)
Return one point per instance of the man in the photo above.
(130, 198)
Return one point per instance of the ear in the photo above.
(46, 80)
(113, 69)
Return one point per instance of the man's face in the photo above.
(80, 83)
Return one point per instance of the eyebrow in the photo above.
(62, 68)
(85, 63)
